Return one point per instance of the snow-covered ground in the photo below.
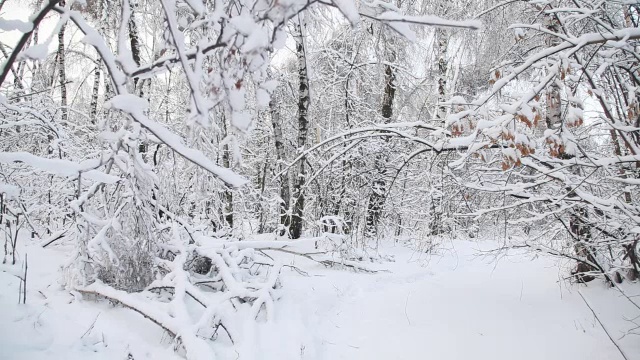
(449, 305)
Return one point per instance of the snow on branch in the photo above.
(230, 284)
(27, 30)
(195, 347)
(392, 17)
(61, 167)
(572, 46)
(135, 106)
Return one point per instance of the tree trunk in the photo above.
(581, 232)
(553, 116)
(285, 191)
(379, 185)
(346, 204)
(133, 40)
(228, 195)
(303, 125)
(61, 73)
(436, 227)
(578, 224)
(262, 182)
(93, 108)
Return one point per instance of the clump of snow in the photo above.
(10, 25)
(37, 52)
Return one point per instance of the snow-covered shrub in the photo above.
(228, 283)
(119, 230)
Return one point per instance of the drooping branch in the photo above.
(35, 23)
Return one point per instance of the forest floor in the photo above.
(451, 304)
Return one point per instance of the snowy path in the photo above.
(460, 307)
(455, 306)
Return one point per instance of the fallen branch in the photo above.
(53, 238)
(327, 262)
(129, 306)
(351, 264)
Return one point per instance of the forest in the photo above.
(204, 179)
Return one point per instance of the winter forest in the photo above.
(320, 179)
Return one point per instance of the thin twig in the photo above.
(90, 327)
(602, 325)
(24, 288)
(405, 308)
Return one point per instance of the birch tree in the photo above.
(299, 176)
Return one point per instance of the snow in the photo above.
(196, 5)
(37, 52)
(10, 191)
(401, 27)
(244, 24)
(241, 120)
(432, 20)
(136, 106)
(256, 41)
(451, 304)
(349, 10)
(9, 25)
(262, 98)
(54, 324)
(458, 307)
(59, 166)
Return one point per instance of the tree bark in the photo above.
(303, 127)
(377, 197)
(578, 216)
(16, 77)
(134, 41)
(93, 108)
(285, 191)
(228, 195)
(442, 39)
(62, 74)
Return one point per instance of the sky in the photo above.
(20, 10)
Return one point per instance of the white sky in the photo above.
(20, 10)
